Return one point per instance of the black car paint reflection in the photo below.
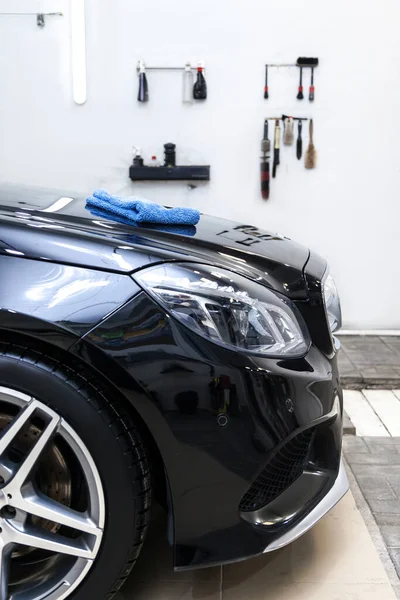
(216, 416)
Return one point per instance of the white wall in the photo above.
(347, 209)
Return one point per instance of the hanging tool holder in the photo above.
(40, 16)
(198, 88)
(169, 171)
(302, 63)
(288, 121)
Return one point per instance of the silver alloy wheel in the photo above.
(23, 508)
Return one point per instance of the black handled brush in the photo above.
(265, 153)
(299, 144)
(310, 62)
(266, 95)
(277, 143)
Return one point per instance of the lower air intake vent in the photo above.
(281, 471)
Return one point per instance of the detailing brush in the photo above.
(311, 154)
(310, 62)
(288, 132)
(277, 142)
(265, 153)
(299, 143)
(300, 94)
(266, 95)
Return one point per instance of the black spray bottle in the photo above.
(143, 94)
(200, 86)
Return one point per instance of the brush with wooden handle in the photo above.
(311, 154)
(277, 141)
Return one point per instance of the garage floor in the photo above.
(337, 560)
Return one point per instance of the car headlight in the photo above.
(332, 303)
(227, 308)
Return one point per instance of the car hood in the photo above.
(56, 227)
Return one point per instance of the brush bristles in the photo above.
(288, 134)
(311, 157)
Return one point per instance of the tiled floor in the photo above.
(374, 458)
(370, 361)
(374, 412)
(336, 560)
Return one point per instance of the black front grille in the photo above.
(280, 472)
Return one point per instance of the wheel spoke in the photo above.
(16, 425)
(46, 508)
(25, 468)
(34, 474)
(45, 540)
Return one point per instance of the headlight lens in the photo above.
(227, 308)
(332, 303)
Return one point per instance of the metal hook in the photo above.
(40, 22)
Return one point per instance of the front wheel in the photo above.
(74, 483)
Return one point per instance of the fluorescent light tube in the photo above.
(78, 51)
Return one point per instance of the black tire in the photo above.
(115, 446)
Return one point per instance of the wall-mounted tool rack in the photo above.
(142, 64)
(303, 62)
(40, 16)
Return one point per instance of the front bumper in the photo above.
(218, 418)
(339, 489)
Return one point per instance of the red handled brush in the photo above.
(266, 95)
(300, 94)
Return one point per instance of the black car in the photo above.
(192, 366)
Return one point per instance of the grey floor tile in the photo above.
(386, 458)
(385, 506)
(375, 360)
(381, 371)
(391, 535)
(388, 471)
(354, 444)
(387, 441)
(379, 448)
(385, 519)
(376, 488)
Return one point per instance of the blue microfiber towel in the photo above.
(180, 229)
(141, 211)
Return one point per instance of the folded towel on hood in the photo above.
(180, 229)
(141, 211)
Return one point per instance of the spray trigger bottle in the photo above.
(143, 95)
(200, 86)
